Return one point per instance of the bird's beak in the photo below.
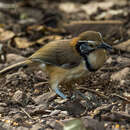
(106, 46)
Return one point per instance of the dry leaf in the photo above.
(23, 42)
(126, 95)
(13, 58)
(73, 7)
(124, 46)
(36, 28)
(6, 35)
(48, 39)
(121, 74)
(92, 7)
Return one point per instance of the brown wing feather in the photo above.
(58, 53)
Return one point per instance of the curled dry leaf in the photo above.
(72, 7)
(123, 46)
(109, 14)
(6, 35)
(92, 7)
(35, 27)
(120, 75)
(23, 42)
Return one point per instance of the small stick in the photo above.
(26, 113)
(93, 91)
(122, 98)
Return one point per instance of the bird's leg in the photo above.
(60, 93)
(55, 88)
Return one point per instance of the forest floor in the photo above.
(25, 100)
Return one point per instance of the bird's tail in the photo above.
(15, 66)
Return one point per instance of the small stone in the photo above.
(64, 112)
(18, 96)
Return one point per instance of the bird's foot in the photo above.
(88, 102)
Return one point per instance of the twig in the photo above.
(122, 98)
(103, 108)
(26, 113)
(40, 84)
(93, 91)
(116, 116)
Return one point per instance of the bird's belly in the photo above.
(77, 72)
(75, 75)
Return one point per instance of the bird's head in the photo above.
(93, 49)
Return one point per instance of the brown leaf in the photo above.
(92, 7)
(123, 46)
(6, 35)
(72, 7)
(23, 42)
(120, 75)
(48, 39)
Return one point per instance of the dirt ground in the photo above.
(25, 99)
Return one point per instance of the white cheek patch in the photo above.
(92, 42)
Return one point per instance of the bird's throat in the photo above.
(96, 59)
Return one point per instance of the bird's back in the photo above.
(58, 53)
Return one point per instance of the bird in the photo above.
(67, 60)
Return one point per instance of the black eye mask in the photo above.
(83, 47)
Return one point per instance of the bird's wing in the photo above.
(58, 53)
